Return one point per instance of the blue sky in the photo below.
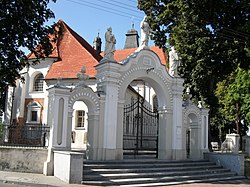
(87, 18)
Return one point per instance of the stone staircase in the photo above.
(150, 172)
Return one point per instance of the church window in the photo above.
(38, 83)
(33, 113)
(80, 118)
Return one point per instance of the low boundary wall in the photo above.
(22, 159)
(234, 162)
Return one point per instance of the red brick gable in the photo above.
(73, 53)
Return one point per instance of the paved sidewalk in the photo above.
(229, 183)
(31, 179)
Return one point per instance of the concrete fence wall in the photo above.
(234, 162)
(22, 159)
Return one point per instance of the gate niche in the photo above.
(140, 130)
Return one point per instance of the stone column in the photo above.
(177, 146)
(120, 129)
(165, 133)
(93, 136)
(100, 149)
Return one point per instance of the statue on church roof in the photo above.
(110, 42)
(174, 62)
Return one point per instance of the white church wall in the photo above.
(34, 70)
(24, 90)
(129, 97)
(144, 90)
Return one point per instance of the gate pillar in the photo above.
(120, 129)
(93, 137)
(165, 133)
(178, 151)
(60, 130)
(204, 129)
(108, 79)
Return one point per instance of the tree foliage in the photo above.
(208, 36)
(22, 26)
(234, 97)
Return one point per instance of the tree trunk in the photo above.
(237, 118)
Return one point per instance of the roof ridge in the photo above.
(82, 41)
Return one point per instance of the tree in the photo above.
(22, 26)
(212, 39)
(208, 36)
(234, 98)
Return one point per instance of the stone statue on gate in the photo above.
(174, 62)
(82, 77)
(110, 42)
(145, 32)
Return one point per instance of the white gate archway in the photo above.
(113, 80)
(195, 121)
(91, 99)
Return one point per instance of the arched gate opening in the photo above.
(140, 129)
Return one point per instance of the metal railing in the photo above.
(28, 135)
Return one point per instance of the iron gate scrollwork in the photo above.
(140, 130)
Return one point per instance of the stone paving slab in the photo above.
(31, 179)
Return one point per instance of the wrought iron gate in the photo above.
(140, 130)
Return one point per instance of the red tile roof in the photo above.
(54, 53)
(124, 53)
(73, 52)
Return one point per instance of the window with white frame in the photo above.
(80, 118)
(34, 112)
(38, 83)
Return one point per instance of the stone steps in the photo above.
(152, 172)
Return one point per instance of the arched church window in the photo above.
(155, 103)
(34, 112)
(38, 83)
